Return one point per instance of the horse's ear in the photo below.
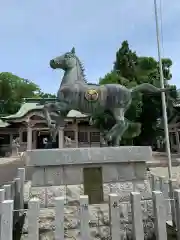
(73, 50)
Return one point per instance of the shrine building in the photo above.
(29, 126)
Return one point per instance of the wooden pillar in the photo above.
(158, 144)
(11, 140)
(61, 137)
(177, 140)
(29, 135)
(89, 138)
(20, 136)
(102, 140)
(34, 133)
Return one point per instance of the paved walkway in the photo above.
(7, 160)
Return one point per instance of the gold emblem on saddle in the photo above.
(91, 95)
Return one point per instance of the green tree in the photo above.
(14, 89)
(46, 95)
(124, 73)
(148, 71)
(126, 62)
(130, 70)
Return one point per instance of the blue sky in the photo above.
(34, 31)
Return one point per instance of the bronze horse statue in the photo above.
(75, 93)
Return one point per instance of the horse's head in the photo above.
(66, 61)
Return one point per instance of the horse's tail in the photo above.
(146, 87)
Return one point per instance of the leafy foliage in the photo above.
(130, 70)
(14, 89)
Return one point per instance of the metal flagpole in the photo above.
(163, 93)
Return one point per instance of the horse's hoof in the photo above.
(116, 145)
(109, 138)
(111, 135)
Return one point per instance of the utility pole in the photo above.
(163, 93)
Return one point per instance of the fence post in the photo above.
(17, 186)
(114, 216)
(172, 186)
(21, 175)
(137, 221)
(154, 182)
(59, 218)
(159, 215)
(33, 219)
(164, 188)
(84, 218)
(7, 189)
(12, 190)
(162, 183)
(177, 211)
(112, 188)
(1, 203)
(7, 220)
(16, 198)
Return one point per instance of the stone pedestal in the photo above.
(95, 172)
(65, 166)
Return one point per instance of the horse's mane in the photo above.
(81, 68)
(83, 71)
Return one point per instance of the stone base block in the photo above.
(54, 167)
(78, 156)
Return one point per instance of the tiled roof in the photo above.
(3, 124)
(27, 107)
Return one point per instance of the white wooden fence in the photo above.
(160, 196)
(12, 192)
(167, 187)
(137, 222)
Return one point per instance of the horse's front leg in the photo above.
(119, 128)
(61, 110)
(115, 134)
(120, 132)
(48, 108)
